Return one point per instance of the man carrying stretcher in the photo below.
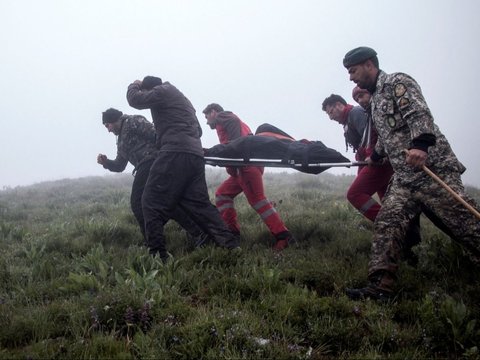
(246, 179)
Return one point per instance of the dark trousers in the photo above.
(138, 187)
(141, 176)
(178, 180)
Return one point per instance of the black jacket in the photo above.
(173, 115)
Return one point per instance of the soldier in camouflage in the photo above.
(410, 139)
(136, 144)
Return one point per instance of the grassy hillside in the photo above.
(76, 282)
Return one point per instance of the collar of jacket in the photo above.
(123, 118)
(345, 113)
(378, 84)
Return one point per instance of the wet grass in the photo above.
(76, 282)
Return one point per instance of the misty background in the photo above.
(64, 62)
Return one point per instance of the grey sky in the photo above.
(64, 62)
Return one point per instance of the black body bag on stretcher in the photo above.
(299, 155)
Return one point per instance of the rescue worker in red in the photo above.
(361, 136)
(370, 179)
(246, 179)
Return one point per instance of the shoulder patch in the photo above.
(400, 89)
(391, 122)
(403, 102)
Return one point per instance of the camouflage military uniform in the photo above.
(400, 115)
(135, 143)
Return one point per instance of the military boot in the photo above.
(379, 288)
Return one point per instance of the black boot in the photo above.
(378, 288)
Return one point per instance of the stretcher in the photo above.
(311, 157)
(314, 168)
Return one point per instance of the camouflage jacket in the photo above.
(401, 115)
(135, 143)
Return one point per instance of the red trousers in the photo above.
(369, 180)
(249, 181)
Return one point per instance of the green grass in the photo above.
(76, 282)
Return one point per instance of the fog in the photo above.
(64, 62)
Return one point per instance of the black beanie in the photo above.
(111, 115)
(149, 82)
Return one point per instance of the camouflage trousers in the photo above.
(403, 202)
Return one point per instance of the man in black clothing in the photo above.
(177, 176)
(136, 144)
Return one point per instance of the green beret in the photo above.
(358, 56)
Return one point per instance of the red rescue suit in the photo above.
(370, 179)
(246, 179)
